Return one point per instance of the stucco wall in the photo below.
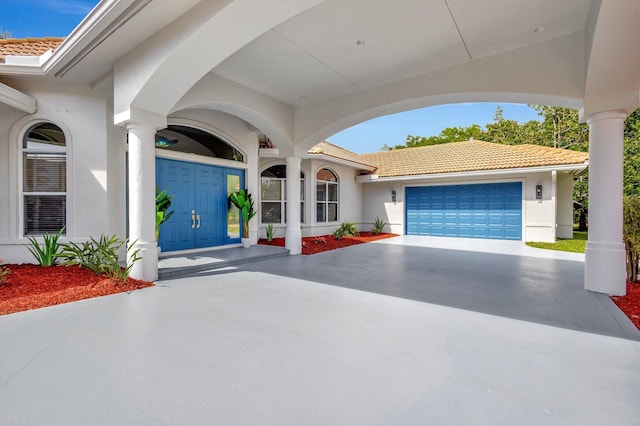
(539, 216)
(82, 115)
(349, 196)
(564, 182)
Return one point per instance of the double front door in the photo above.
(202, 216)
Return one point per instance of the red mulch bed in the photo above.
(32, 286)
(313, 245)
(630, 303)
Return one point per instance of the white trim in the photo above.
(16, 99)
(283, 201)
(315, 198)
(349, 163)
(215, 131)
(16, 213)
(471, 174)
(523, 210)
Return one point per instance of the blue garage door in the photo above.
(471, 211)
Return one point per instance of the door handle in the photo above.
(193, 219)
(198, 221)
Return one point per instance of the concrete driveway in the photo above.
(397, 332)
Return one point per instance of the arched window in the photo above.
(196, 141)
(44, 179)
(326, 196)
(273, 195)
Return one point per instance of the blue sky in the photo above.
(57, 18)
(43, 18)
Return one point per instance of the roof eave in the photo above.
(473, 173)
(353, 164)
(16, 99)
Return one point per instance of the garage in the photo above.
(490, 210)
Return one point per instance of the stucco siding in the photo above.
(564, 183)
(82, 115)
(539, 217)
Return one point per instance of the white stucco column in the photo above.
(605, 258)
(293, 235)
(142, 201)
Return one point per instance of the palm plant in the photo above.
(163, 202)
(49, 252)
(242, 200)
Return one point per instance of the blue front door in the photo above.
(199, 204)
(472, 211)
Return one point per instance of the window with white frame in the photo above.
(326, 196)
(44, 179)
(273, 195)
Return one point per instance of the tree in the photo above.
(450, 134)
(561, 128)
(4, 34)
(632, 154)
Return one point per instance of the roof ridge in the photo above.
(430, 146)
(29, 40)
(339, 147)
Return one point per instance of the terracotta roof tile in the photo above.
(468, 156)
(27, 46)
(330, 150)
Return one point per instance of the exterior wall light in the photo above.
(393, 195)
(538, 192)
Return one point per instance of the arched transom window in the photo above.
(326, 196)
(273, 195)
(44, 179)
(195, 141)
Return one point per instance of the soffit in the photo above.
(315, 55)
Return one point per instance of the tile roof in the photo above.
(330, 150)
(27, 46)
(468, 156)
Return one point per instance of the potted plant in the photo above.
(163, 202)
(242, 200)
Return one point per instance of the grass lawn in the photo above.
(576, 244)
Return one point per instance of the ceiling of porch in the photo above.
(338, 47)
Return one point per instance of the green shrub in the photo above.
(346, 229)
(269, 231)
(48, 254)
(100, 256)
(378, 226)
(631, 234)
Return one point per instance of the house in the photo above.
(203, 97)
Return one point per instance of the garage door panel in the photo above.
(474, 210)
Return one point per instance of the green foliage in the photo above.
(48, 254)
(346, 229)
(163, 202)
(450, 134)
(269, 231)
(378, 226)
(242, 200)
(632, 154)
(631, 235)
(4, 271)
(101, 256)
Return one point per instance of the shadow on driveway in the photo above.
(545, 291)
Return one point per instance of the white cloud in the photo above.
(70, 7)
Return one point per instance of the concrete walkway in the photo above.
(296, 341)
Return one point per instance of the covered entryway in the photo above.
(491, 210)
(201, 216)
